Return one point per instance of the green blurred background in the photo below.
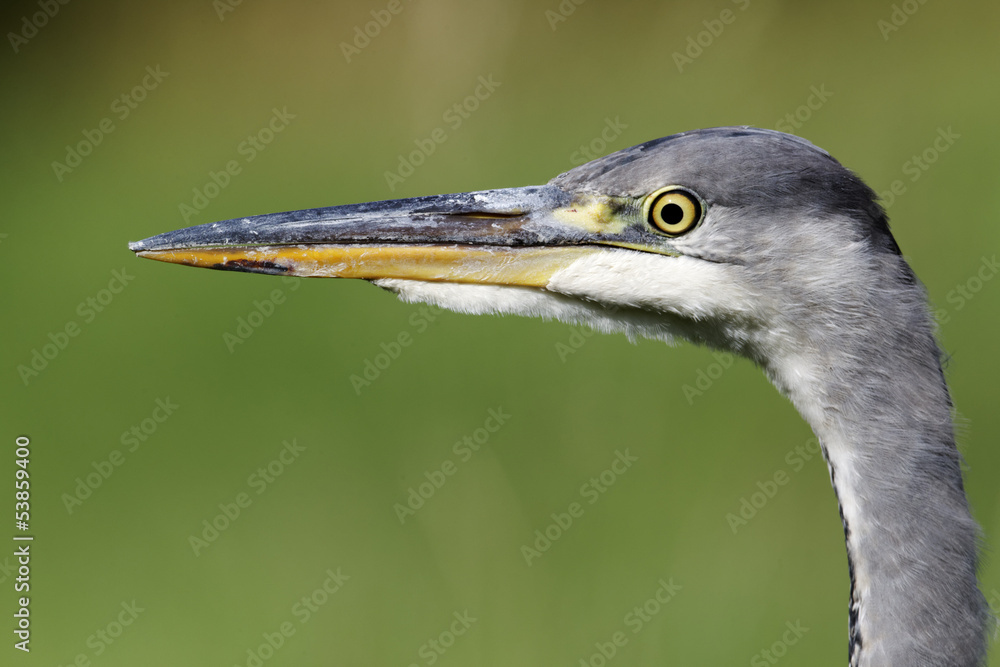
(222, 70)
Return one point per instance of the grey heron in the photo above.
(745, 240)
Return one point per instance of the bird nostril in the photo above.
(252, 266)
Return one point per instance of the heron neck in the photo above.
(887, 435)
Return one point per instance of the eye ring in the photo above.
(673, 210)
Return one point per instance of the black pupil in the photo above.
(671, 214)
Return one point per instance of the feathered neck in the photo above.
(874, 393)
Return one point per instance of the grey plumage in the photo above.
(792, 266)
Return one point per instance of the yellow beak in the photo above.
(517, 236)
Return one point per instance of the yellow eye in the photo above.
(673, 211)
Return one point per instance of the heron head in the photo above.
(711, 235)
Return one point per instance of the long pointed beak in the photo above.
(516, 236)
